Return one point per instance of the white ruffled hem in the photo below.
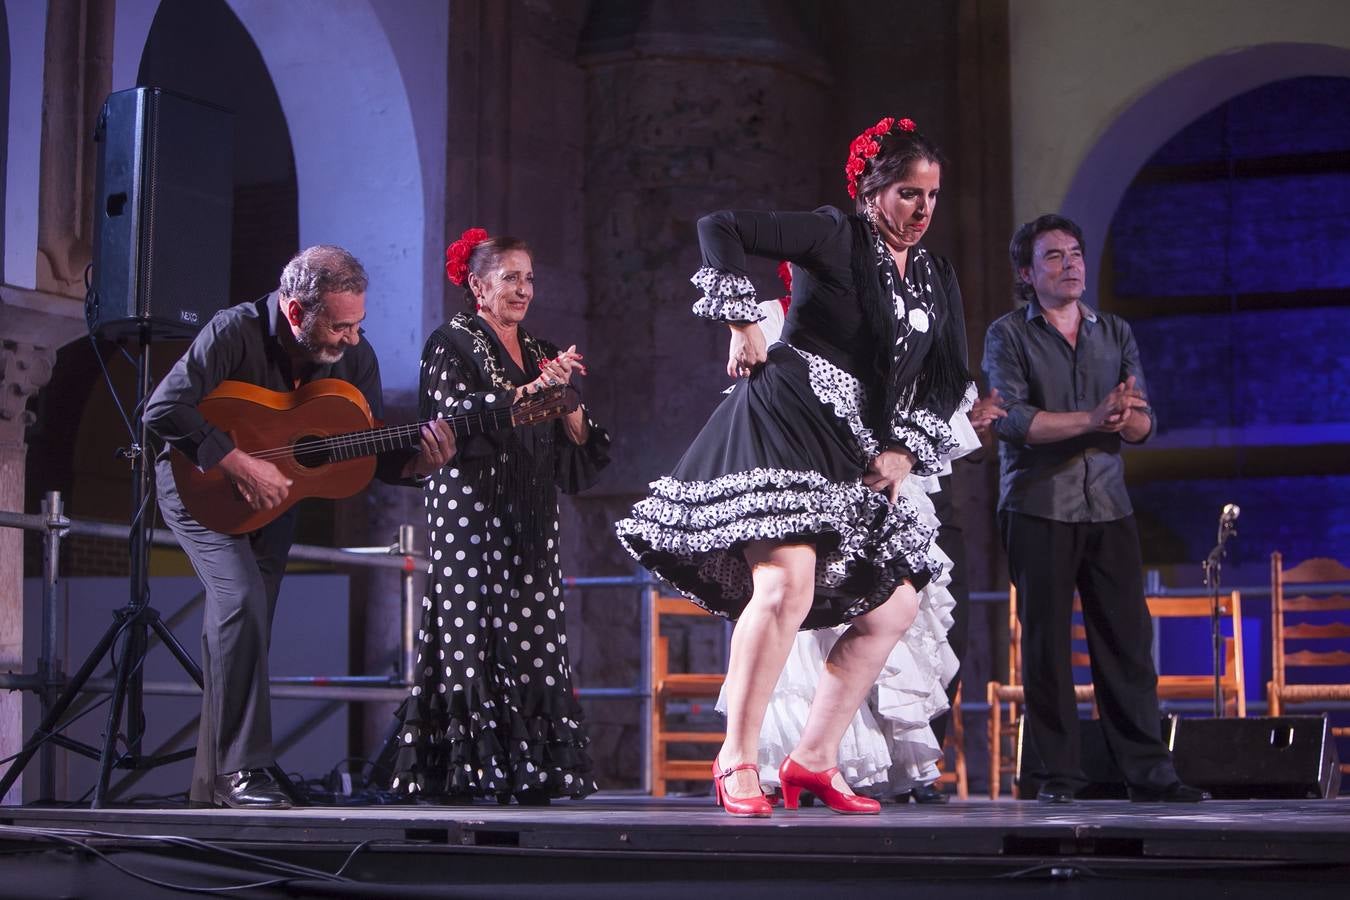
(889, 746)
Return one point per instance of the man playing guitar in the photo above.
(306, 330)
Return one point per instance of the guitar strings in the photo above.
(398, 435)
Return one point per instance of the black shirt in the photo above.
(1029, 362)
(241, 344)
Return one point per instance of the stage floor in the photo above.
(616, 846)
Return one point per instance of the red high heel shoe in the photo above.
(795, 778)
(756, 807)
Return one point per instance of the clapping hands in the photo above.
(557, 370)
(1113, 413)
(986, 411)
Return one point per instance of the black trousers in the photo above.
(953, 543)
(1047, 561)
(242, 576)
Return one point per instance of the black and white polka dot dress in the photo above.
(494, 714)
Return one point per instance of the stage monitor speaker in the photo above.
(1105, 780)
(164, 196)
(1270, 757)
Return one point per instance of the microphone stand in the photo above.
(1212, 566)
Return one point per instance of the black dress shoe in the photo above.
(533, 798)
(922, 793)
(1052, 794)
(1176, 792)
(250, 789)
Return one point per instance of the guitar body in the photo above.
(258, 419)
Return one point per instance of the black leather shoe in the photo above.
(1176, 792)
(250, 789)
(923, 793)
(1051, 794)
(533, 798)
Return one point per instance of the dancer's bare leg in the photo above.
(851, 669)
(784, 585)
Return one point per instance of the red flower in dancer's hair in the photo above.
(785, 276)
(867, 145)
(457, 254)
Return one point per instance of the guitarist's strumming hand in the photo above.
(437, 449)
(260, 483)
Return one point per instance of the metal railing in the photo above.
(49, 679)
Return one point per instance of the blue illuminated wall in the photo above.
(1230, 257)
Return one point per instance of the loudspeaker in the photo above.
(1105, 780)
(1275, 757)
(164, 198)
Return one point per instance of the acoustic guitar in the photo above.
(322, 437)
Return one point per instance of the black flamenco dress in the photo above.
(783, 456)
(493, 714)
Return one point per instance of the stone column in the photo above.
(33, 325)
(691, 108)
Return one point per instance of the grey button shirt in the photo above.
(1031, 364)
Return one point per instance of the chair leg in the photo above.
(995, 741)
(959, 733)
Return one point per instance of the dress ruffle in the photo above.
(450, 748)
(691, 534)
(927, 436)
(889, 745)
(726, 297)
(844, 394)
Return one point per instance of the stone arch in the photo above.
(359, 176)
(1172, 104)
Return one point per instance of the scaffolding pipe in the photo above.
(411, 607)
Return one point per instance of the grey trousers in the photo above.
(242, 576)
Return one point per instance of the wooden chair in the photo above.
(1301, 628)
(955, 747)
(1232, 686)
(1003, 732)
(668, 685)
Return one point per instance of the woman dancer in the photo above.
(494, 714)
(785, 511)
(890, 747)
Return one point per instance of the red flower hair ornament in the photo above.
(867, 145)
(785, 275)
(457, 254)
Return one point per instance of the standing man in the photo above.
(1074, 390)
(310, 328)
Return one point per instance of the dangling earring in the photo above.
(870, 213)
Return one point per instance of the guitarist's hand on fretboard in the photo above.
(437, 449)
(258, 481)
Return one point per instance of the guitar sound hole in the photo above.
(311, 453)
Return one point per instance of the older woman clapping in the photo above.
(494, 714)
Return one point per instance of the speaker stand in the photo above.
(135, 620)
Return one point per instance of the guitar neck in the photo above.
(373, 441)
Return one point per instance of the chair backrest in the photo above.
(1190, 606)
(1200, 606)
(1078, 657)
(1303, 623)
(662, 608)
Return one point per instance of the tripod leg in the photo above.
(132, 653)
(72, 690)
(179, 652)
